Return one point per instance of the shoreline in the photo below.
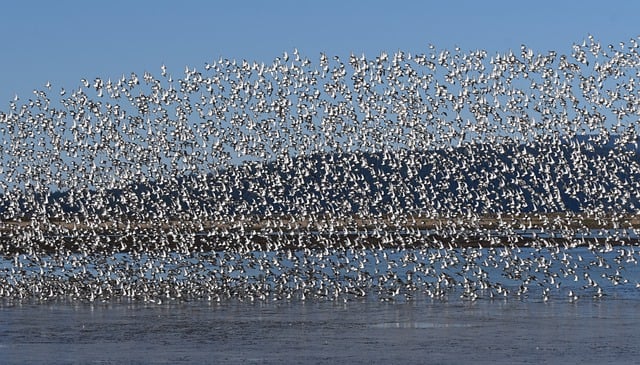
(285, 233)
(488, 221)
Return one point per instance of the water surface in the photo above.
(418, 331)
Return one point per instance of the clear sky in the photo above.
(65, 41)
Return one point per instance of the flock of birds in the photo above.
(329, 179)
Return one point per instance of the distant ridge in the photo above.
(510, 178)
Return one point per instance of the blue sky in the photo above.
(65, 41)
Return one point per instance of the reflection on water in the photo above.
(484, 331)
(419, 325)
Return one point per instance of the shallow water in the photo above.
(522, 273)
(418, 331)
(410, 328)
